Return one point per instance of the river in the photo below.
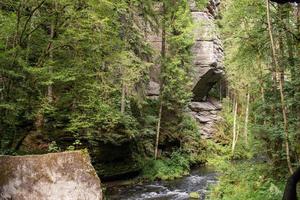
(198, 181)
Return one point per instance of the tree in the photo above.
(282, 97)
(175, 65)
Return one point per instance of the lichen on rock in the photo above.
(56, 176)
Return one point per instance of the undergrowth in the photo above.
(241, 177)
(246, 181)
(167, 169)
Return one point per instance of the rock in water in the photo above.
(194, 195)
(55, 176)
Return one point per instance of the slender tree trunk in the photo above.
(285, 121)
(247, 119)
(233, 100)
(163, 55)
(262, 91)
(50, 86)
(17, 33)
(29, 38)
(158, 131)
(282, 98)
(234, 131)
(237, 132)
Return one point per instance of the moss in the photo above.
(5, 173)
(85, 152)
(201, 4)
(194, 195)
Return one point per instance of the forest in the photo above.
(200, 98)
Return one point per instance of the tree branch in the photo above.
(29, 18)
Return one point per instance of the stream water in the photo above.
(198, 181)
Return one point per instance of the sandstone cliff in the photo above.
(208, 66)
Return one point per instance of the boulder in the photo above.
(55, 176)
(203, 118)
(194, 195)
(201, 106)
(216, 103)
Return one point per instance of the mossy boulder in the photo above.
(194, 195)
(68, 176)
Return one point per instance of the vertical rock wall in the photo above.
(208, 66)
(207, 51)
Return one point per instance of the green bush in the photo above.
(167, 169)
(246, 181)
(201, 4)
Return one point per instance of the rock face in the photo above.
(57, 176)
(207, 52)
(208, 66)
(207, 115)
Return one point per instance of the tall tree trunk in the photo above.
(158, 131)
(234, 131)
(282, 98)
(50, 86)
(262, 91)
(163, 55)
(247, 119)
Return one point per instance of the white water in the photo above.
(179, 189)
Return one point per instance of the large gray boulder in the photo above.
(56, 176)
(202, 106)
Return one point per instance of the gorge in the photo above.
(175, 99)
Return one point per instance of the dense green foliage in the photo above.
(74, 75)
(250, 70)
(254, 70)
(173, 167)
(84, 62)
(247, 181)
